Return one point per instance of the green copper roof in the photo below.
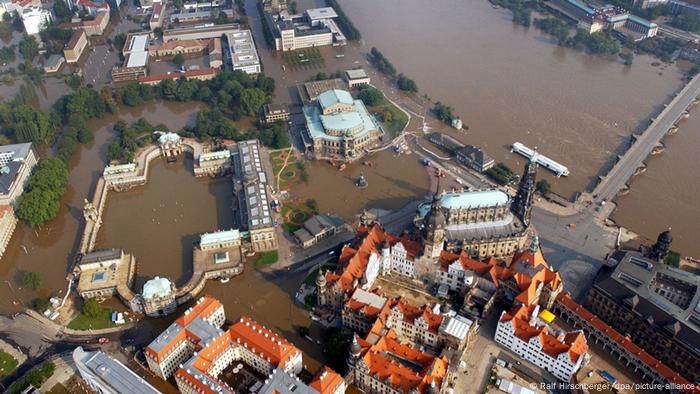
(334, 96)
(473, 199)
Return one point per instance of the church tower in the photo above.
(522, 203)
(434, 230)
(662, 246)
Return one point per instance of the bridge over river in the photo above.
(643, 144)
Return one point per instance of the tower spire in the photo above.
(522, 203)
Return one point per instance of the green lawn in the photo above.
(266, 258)
(7, 364)
(310, 279)
(398, 121)
(83, 322)
(304, 59)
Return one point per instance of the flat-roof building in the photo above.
(53, 63)
(105, 273)
(250, 184)
(106, 375)
(16, 164)
(136, 54)
(315, 27)
(356, 77)
(159, 10)
(241, 54)
(199, 32)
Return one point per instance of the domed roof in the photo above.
(157, 287)
(436, 218)
(665, 237)
(355, 347)
(168, 137)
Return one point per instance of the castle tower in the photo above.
(662, 246)
(321, 288)
(522, 203)
(434, 230)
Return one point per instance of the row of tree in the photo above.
(349, 29)
(385, 67)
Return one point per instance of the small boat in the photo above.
(368, 163)
(342, 167)
(224, 280)
(339, 56)
(425, 162)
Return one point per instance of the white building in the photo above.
(242, 54)
(525, 334)
(35, 19)
(399, 258)
(106, 375)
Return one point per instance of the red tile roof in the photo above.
(411, 313)
(74, 39)
(382, 360)
(186, 74)
(634, 350)
(262, 341)
(326, 381)
(573, 343)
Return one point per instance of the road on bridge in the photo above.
(633, 159)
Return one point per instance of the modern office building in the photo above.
(16, 164)
(241, 53)
(656, 305)
(136, 55)
(339, 127)
(315, 27)
(250, 185)
(106, 375)
(525, 334)
(35, 18)
(75, 46)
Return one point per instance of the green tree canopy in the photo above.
(32, 280)
(371, 96)
(91, 308)
(251, 100)
(28, 47)
(179, 60)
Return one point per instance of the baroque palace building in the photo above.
(339, 127)
(655, 305)
(195, 350)
(483, 222)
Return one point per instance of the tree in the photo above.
(40, 304)
(251, 100)
(28, 47)
(37, 207)
(32, 280)
(406, 84)
(91, 308)
(543, 187)
(371, 96)
(118, 41)
(179, 60)
(158, 31)
(293, 7)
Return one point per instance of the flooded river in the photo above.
(507, 83)
(666, 194)
(50, 249)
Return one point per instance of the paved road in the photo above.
(633, 159)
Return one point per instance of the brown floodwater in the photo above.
(666, 194)
(160, 222)
(49, 249)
